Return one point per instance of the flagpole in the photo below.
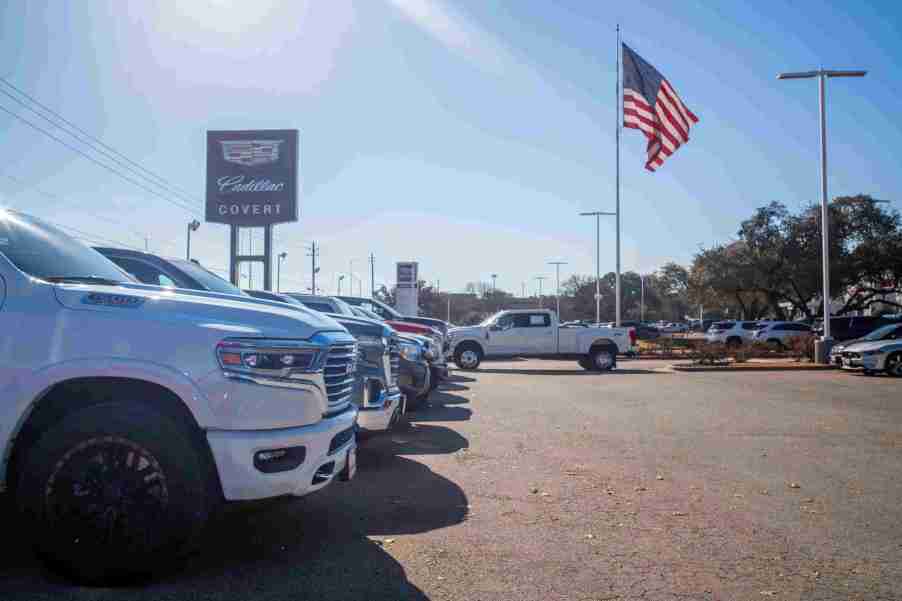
(617, 209)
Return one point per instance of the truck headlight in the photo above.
(410, 352)
(272, 358)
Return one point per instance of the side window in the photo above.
(521, 320)
(144, 272)
(505, 321)
(780, 327)
(321, 307)
(749, 325)
(539, 320)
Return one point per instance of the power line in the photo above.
(150, 175)
(59, 198)
(97, 162)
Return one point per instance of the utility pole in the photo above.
(494, 280)
(313, 254)
(372, 275)
(539, 278)
(523, 289)
(557, 270)
(147, 243)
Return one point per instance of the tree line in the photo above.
(771, 269)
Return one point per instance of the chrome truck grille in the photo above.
(394, 353)
(339, 374)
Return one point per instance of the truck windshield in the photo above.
(45, 252)
(209, 280)
(343, 307)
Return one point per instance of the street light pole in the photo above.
(494, 281)
(597, 215)
(822, 75)
(557, 274)
(539, 278)
(192, 227)
(340, 278)
(282, 256)
(642, 298)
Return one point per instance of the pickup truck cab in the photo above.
(536, 333)
(129, 412)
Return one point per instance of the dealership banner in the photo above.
(252, 176)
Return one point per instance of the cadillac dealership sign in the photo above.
(252, 176)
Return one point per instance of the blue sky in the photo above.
(464, 135)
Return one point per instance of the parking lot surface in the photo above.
(537, 480)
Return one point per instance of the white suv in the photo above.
(779, 333)
(731, 333)
(128, 412)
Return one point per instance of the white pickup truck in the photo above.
(128, 412)
(536, 333)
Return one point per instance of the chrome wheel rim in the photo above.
(468, 358)
(603, 360)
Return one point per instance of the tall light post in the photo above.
(494, 281)
(641, 298)
(281, 258)
(340, 278)
(822, 75)
(597, 215)
(539, 279)
(192, 227)
(557, 275)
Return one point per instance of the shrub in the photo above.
(710, 353)
(801, 347)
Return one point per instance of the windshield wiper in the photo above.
(81, 279)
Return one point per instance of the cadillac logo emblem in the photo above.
(250, 152)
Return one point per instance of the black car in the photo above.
(176, 273)
(643, 331)
(849, 328)
(390, 314)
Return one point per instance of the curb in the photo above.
(711, 368)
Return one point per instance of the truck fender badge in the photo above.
(113, 300)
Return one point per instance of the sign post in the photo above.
(252, 181)
(406, 288)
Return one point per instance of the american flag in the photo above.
(652, 106)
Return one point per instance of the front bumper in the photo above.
(414, 378)
(866, 362)
(377, 415)
(233, 451)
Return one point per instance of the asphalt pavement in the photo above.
(535, 480)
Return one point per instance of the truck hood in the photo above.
(361, 326)
(461, 332)
(233, 315)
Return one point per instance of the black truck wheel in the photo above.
(468, 356)
(112, 494)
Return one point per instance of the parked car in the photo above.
(536, 333)
(168, 272)
(876, 356)
(129, 412)
(892, 331)
(780, 333)
(391, 314)
(415, 353)
(643, 330)
(849, 328)
(429, 337)
(376, 391)
(731, 333)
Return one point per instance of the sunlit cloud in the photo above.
(453, 31)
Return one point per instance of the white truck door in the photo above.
(502, 336)
(536, 333)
